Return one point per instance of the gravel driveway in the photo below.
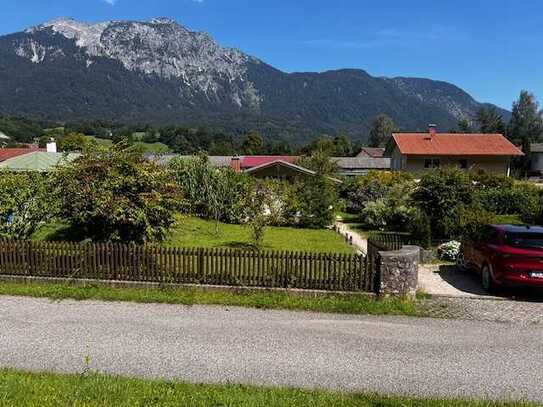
(424, 357)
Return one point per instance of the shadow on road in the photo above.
(470, 282)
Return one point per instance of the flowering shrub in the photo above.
(449, 251)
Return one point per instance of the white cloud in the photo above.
(110, 2)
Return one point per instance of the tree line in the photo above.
(181, 140)
(524, 128)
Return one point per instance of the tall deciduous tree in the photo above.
(525, 127)
(339, 146)
(253, 144)
(343, 146)
(381, 130)
(464, 126)
(320, 162)
(212, 193)
(73, 142)
(526, 121)
(490, 120)
(318, 194)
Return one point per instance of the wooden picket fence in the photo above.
(390, 240)
(157, 264)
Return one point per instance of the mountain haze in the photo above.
(160, 72)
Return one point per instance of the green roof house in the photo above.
(37, 161)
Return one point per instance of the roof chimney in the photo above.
(51, 146)
(432, 129)
(235, 164)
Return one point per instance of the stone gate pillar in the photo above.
(399, 272)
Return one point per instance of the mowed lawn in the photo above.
(196, 232)
(48, 390)
(147, 147)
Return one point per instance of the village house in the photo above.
(33, 158)
(285, 167)
(41, 161)
(419, 152)
(371, 152)
(536, 159)
(8, 153)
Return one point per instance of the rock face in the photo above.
(160, 72)
(159, 47)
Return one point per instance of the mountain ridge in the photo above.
(160, 72)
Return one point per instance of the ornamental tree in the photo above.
(25, 203)
(220, 194)
(116, 195)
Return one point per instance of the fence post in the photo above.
(201, 268)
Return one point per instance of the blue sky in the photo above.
(492, 49)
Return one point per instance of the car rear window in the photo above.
(525, 240)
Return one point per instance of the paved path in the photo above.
(425, 357)
(447, 280)
(360, 242)
(518, 312)
(458, 294)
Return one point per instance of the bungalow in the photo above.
(41, 161)
(277, 167)
(285, 167)
(419, 152)
(371, 152)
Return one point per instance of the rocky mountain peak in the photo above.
(160, 47)
(164, 20)
(158, 70)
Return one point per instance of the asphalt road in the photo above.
(424, 357)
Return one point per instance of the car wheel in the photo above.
(461, 261)
(486, 279)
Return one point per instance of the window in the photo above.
(526, 240)
(463, 164)
(431, 163)
(487, 234)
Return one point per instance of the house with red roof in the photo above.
(419, 152)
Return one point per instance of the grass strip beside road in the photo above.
(329, 303)
(47, 390)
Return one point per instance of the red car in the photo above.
(505, 255)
